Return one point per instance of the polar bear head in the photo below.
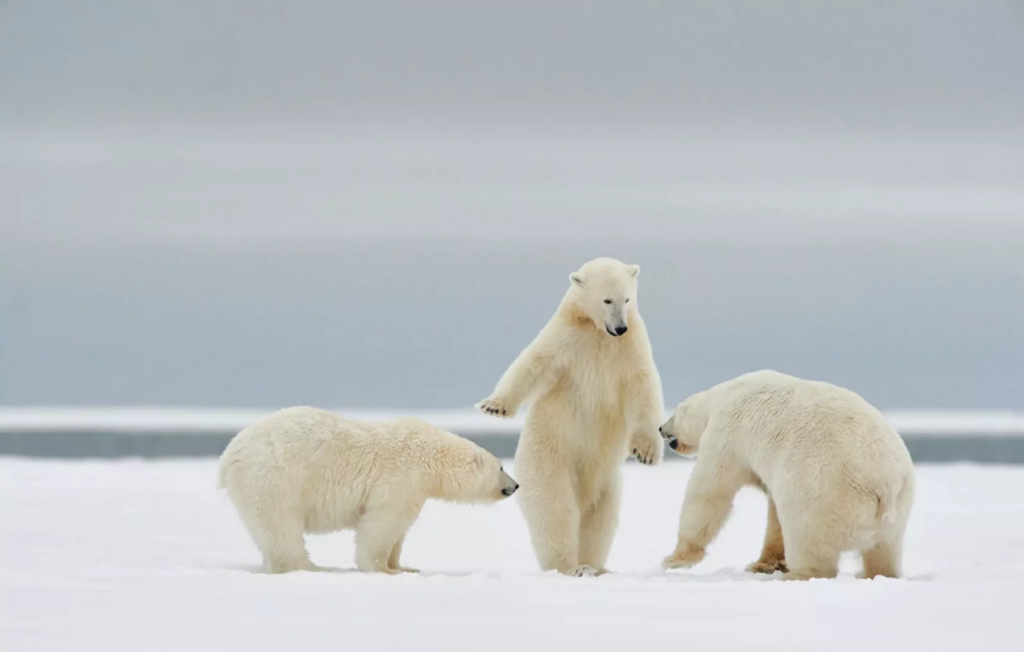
(474, 475)
(604, 291)
(684, 428)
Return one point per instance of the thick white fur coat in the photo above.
(837, 475)
(594, 398)
(304, 470)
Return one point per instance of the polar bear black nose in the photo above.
(619, 330)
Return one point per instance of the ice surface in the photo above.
(133, 555)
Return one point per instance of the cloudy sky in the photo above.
(368, 204)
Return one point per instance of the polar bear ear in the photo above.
(577, 279)
(634, 270)
(479, 460)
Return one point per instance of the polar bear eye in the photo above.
(607, 300)
(627, 300)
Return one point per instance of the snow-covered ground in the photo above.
(133, 555)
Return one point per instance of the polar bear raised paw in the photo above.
(646, 450)
(495, 407)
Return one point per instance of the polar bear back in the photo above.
(326, 470)
(304, 441)
(313, 464)
(783, 425)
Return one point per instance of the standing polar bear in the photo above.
(595, 398)
(305, 470)
(838, 477)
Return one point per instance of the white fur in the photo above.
(595, 398)
(305, 470)
(837, 475)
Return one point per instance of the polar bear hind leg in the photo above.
(598, 525)
(812, 551)
(554, 527)
(283, 545)
(883, 560)
(805, 563)
(773, 551)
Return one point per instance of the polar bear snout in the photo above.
(615, 322)
(508, 484)
(673, 441)
(666, 430)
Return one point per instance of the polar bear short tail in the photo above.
(887, 503)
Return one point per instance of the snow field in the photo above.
(133, 555)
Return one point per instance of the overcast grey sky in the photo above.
(375, 204)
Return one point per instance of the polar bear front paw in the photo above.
(495, 407)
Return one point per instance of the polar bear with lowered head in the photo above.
(837, 475)
(595, 398)
(303, 470)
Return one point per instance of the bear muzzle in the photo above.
(673, 441)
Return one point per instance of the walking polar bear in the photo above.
(305, 470)
(837, 475)
(595, 398)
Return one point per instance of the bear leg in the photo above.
(283, 546)
(814, 538)
(393, 558)
(598, 525)
(706, 507)
(806, 563)
(884, 559)
(773, 552)
(552, 516)
(377, 533)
